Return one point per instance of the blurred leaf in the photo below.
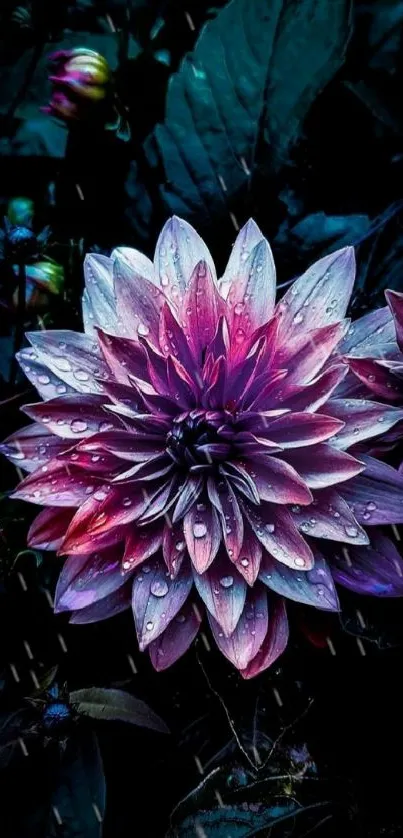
(237, 821)
(116, 705)
(236, 90)
(78, 803)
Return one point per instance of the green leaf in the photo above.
(246, 88)
(78, 803)
(116, 705)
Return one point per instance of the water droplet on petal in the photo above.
(199, 530)
(244, 562)
(351, 531)
(227, 581)
(159, 588)
(143, 330)
(78, 426)
(371, 506)
(299, 562)
(149, 626)
(298, 318)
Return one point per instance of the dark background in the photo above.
(315, 155)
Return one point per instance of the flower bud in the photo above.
(81, 78)
(20, 212)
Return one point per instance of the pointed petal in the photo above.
(48, 529)
(368, 333)
(248, 562)
(376, 570)
(376, 495)
(57, 485)
(252, 293)
(74, 358)
(223, 592)
(395, 303)
(86, 579)
(277, 481)
(157, 599)
(363, 419)
(294, 430)
(99, 304)
(274, 527)
(202, 532)
(172, 339)
(135, 261)
(191, 490)
(323, 465)
(176, 639)
(138, 302)
(321, 295)
(48, 385)
(376, 377)
(141, 544)
(201, 309)
(313, 395)
(275, 641)
(103, 609)
(32, 447)
(246, 639)
(123, 356)
(319, 344)
(226, 504)
(173, 547)
(179, 249)
(315, 587)
(330, 517)
(248, 237)
(102, 512)
(74, 416)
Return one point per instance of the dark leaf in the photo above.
(116, 705)
(78, 803)
(236, 821)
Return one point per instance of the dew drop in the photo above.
(43, 379)
(61, 388)
(81, 375)
(143, 330)
(298, 318)
(180, 545)
(159, 588)
(180, 618)
(95, 458)
(63, 364)
(105, 426)
(45, 419)
(238, 309)
(351, 531)
(149, 626)
(270, 528)
(226, 581)
(299, 562)
(78, 426)
(127, 502)
(244, 562)
(199, 530)
(371, 506)
(100, 495)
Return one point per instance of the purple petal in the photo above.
(376, 570)
(123, 356)
(248, 237)
(180, 385)
(202, 532)
(176, 639)
(323, 465)
(376, 377)
(157, 599)
(136, 262)
(32, 447)
(173, 341)
(362, 419)
(173, 547)
(252, 292)
(179, 249)
(223, 592)
(48, 529)
(99, 303)
(395, 303)
(300, 429)
(57, 485)
(377, 494)
(191, 490)
(275, 641)
(315, 587)
(138, 302)
(141, 544)
(224, 500)
(277, 481)
(102, 512)
(248, 562)
(48, 385)
(321, 295)
(74, 416)
(317, 348)
(109, 606)
(246, 639)
(330, 517)
(274, 527)
(86, 579)
(312, 396)
(201, 309)
(74, 358)
(369, 333)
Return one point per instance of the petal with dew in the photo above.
(73, 357)
(275, 641)
(202, 531)
(223, 592)
(179, 249)
(315, 587)
(330, 517)
(363, 419)
(32, 447)
(116, 602)
(73, 416)
(201, 310)
(395, 303)
(376, 570)
(157, 599)
(376, 377)
(48, 529)
(57, 485)
(243, 644)
(275, 529)
(177, 637)
(248, 237)
(48, 385)
(87, 579)
(277, 481)
(141, 544)
(368, 334)
(138, 303)
(99, 303)
(323, 465)
(301, 429)
(376, 495)
(252, 293)
(136, 261)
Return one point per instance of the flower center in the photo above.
(195, 441)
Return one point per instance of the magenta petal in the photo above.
(248, 237)
(245, 641)
(252, 293)
(248, 562)
(223, 592)
(300, 429)
(225, 501)
(103, 609)
(395, 303)
(73, 357)
(191, 490)
(32, 447)
(362, 419)
(58, 485)
(315, 587)
(277, 481)
(141, 544)
(330, 517)
(173, 547)
(138, 302)
(323, 465)
(275, 641)
(157, 599)
(172, 340)
(319, 344)
(377, 494)
(201, 309)
(274, 527)
(326, 288)
(376, 569)
(73, 416)
(312, 396)
(48, 529)
(123, 357)
(86, 579)
(176, 639)
(376, 377)
(202, 532)
(178, 251)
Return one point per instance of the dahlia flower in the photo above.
(195, 451)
